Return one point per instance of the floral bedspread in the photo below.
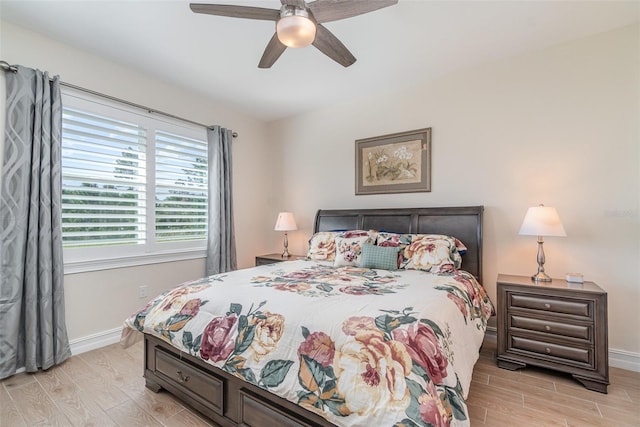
(360, 347)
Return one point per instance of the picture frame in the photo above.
(395, 163)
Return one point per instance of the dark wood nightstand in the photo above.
(273, 258)
(555, 325)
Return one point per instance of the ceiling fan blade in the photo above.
(233, 11)
(296, 3)
(329, 44)
(272, 52)
(333, 10)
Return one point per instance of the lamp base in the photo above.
(541, 276)
(285, 253)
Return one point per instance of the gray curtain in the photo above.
(221, 242)
(33, 334)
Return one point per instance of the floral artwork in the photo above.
(377, 349)
(397, 163)
(392, 163)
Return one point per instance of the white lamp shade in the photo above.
(285, 222)
(542, 221)
(296, 31)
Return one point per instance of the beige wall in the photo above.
(558, 126)
(99, 301)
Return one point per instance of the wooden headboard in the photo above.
(463, 222)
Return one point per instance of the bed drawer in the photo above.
(207, 389)
(255, 412)
(550, 327)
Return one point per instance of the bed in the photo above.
(325, 342)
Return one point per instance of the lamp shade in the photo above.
(285, 222)
(542, 221)
(296, 31)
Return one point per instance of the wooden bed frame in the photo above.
(230, 401)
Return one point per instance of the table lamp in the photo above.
(285, 222)
(541, 221)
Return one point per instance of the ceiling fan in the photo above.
(299, 24)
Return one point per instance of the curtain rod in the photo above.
(8, 67)
(14, 69)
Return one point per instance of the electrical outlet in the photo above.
(143, 291)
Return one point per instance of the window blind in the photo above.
(181, 188)
(104, 192)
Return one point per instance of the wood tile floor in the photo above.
(105, 388)
(102, 387)
(539, 397)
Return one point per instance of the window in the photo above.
(181, 188)
(134, 185)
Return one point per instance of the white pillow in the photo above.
(322, 246)
(349, 247)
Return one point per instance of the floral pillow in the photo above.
(349, 247)
(393, 239)
(322, 246)
(433, 252)
(385, 238)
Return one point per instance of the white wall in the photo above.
(100, 301)
(558, 126)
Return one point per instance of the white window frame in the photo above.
(84, 259)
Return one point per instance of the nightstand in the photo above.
(555, 325)
(273, 258)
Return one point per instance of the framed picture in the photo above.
(396, 163)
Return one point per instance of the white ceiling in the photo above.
(400, 46)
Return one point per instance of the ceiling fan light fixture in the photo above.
(294, 28)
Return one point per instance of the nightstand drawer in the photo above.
(565, 329)
(582, 355)
(556, 305)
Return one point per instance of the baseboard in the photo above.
(94, 341)
(90, 342)
(617, 358)
(491, 334)
(624, 360)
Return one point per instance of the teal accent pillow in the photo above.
(382, 257)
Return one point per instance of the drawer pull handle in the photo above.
(547, 328)
(548, 350)
(547, 305)
(183, 378)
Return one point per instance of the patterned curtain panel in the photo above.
(221, 242)
(33, 334)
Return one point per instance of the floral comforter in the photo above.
(360, 347)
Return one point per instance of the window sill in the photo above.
(73, 267)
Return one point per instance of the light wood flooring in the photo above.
(540, 397)
(105, 387)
